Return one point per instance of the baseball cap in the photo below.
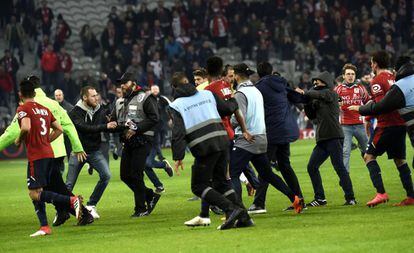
(242, 68)
(127, 76)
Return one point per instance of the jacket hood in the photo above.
(405, 70)
(325, 77)
(89, 110)
(184, 90)
(276, 83)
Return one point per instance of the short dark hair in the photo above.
(264, 69)
(349, 66)
(402, 60)
(381, 58)
(214, 66)
(200, 72)
(27, 89)
(176, 79)
(227, 67)
(35, 80)
(85, 90)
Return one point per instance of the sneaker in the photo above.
(168, 168)
(153, 202)
(298, 204)
(291, 208)
(244, 223)
(60, 218)
(159, 190)
(86, 218)
(44, 230)
(351, 202)
(253, 209)
(198, 221)
(250, 190)
(378, 199)
(216, 210)
(231, 219)
(195, 198)
(76, 204)
(90, 169)
(139, 214)
(317, 202)
(93, 212)
(406, 202)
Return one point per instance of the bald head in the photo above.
(59, 95)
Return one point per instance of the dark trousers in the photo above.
(281, 154)
(239, 160)
(208, 181)
(132, 174)
(57, 184)
(329, 148)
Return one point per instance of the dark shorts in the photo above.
(39, 173)
(390, 140)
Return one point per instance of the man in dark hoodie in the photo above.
(137, 120)
(88, 116)
(400, 97)
(281, 130)
(323, 109)
(197, 123)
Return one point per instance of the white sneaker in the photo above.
(93, 212)
(198, 221)
(42, 231)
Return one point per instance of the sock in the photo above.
(406, 180)
(375, 174)
(52, 197)
(40, 209)
(205, 209)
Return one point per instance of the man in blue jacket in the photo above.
(281, 130)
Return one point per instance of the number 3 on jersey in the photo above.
(43, 125)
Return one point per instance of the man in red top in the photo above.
(352, 93)
(389, 135)
(49, 63)
(35, 122)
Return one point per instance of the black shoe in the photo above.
(159, 190)
(244, 224)
(115, 156)
(168, 168)
(231, 218)
(350, 202)
(291, 208)
(86, 218)
(139, 214)
(153, 202)
(216, 210)
(317, 202)
(60, 218)
(90, 170)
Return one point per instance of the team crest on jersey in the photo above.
(376, 88)
(22, 114)
(356, 90)
(141, 97)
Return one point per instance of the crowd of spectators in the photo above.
(304, 35)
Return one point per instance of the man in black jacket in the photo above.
(197, 123)
(323, 108)
(89, 119)
(137, 119)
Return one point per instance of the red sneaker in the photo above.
(378, 199)
(298, 204)
(76, 204)
(409, 201)
(45, 230)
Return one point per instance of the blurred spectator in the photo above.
(173, 49)
(157, 65)
(45, 15)
(288, 58)
(73, 89)
(148, 78)
(104, 86)
(89, 42)
(246, 43)
(15, 37)
(218, 26)
(64, 65)
(11, 66)
(49, 64)
(305, 82)
(62, 33)
(60, 97)
(163, 15)
(110, 37)
(41, 48)
(6, 86)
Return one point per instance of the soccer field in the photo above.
(333, 228)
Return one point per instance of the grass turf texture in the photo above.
(333, 228)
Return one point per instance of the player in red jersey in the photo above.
(389, 135)
(35, 122)
(352, 93)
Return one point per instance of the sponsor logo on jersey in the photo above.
(22, 114)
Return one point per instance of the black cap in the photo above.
(127, 76)
(242, 68)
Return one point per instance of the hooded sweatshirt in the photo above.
(89, 123)
(323, 109)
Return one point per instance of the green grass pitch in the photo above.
(333, 228)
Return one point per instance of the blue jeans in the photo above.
(349, 132)
(152, 163)
(97, 160)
